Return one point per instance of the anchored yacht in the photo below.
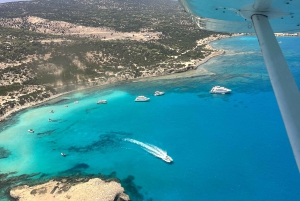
(219, 90)
(159, 93)
(101, 101)
(31, 131)
(141, 99)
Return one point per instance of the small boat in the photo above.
(101, 101)
(51, 111)
(141, 99)
(167, 158)
(31, 131)
(76, 102)
(159, 93)
(49, 119)
(219, 90)
(66, 105)
(63, 154)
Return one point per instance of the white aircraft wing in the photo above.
(227, 16)
(264, 17)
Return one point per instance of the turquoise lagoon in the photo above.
(225, 147)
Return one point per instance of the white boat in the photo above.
(141, 99)
(154, 150)
(219, 90)
(159, 93)
(63, 154)
(51, 111)
(101, 101)
(31, 131)
(76, 102)
(49, 119)
(167, 158)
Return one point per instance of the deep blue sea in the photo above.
(225, 147)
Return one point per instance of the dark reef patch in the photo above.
(67, 178)
(60, 101)
(52, 142)
(58, 120)
(70, 126)
(132, 189)
(8, 181)
(4, 153)
(87, 111)
(55, 102)
(106, 141)
(78, 168)
(47, 132)
(43, 176)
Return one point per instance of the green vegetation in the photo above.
(4, 90)
(56, 61)
(17, 44)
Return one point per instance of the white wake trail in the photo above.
(154, 150)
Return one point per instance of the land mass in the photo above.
(83, 189)
(52, 47)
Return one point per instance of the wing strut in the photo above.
(283, 83)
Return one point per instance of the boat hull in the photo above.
(142, 100)
(220, 92)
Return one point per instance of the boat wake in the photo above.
(154, 150)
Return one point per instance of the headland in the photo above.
(82, 189)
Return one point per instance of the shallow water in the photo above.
(224, 147)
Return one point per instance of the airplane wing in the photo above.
(232, 16)
(263, 17)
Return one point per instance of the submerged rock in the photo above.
(4, 153)
(93, 189)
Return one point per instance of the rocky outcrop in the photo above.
(93, 189)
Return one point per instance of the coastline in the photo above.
(81, 189)
(242, 107)
(205, 41)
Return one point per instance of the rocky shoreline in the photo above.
(82, 189)
(187, 67)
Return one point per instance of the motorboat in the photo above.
(167, 158)
(49, 119)
(31, 131)
(101, 101)
(141, 99)
(219, 90)
(66, 105)
(76, 102)
(63, 154)
(51, 111)
(159, 93)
